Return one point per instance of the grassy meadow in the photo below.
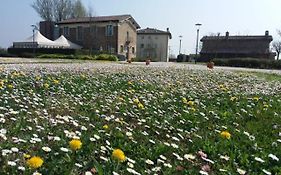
(127, 119)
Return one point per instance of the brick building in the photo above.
(236, 46)
(113, 34)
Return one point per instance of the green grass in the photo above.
(184, 112)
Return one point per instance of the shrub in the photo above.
(106, 57)
(57, 56)
(4, 53)
(249, 62)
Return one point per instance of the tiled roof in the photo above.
(253, 37)
(153, 31)
(118, 18)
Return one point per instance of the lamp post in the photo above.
(197, 40)
(180, 44)
(33, 42)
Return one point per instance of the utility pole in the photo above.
(197, 40)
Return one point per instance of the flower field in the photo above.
(133, 119)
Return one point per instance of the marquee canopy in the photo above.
(39, 41)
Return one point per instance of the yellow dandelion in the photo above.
(35, 162)
(105, 127)
(184, 100)
(193, 109)
(56, 81)
(75, 144)
(233, 98)
(10, 86)
(256, 98)
(130, 83)
(46, 85)
(136, 101)
(119, 155)
(225, 134)
(190, 103)
(140, 106)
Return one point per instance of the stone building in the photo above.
(153, 43)
(112, 34)
(236, 47)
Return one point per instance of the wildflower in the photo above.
(149, 162)
(140, 106)
(56, 81)
(26, 156)
(240, 171)
(136, 101)
(259, 160)
(119, 155)
(46, 149)
(225, 134)
(184, 100)
(46, 85)
(10, 86)
(193, 109)
(256, 98)
(233, 98)
(130, 83)
(189, 156)
(35, 162)
(266, 172)
(273, 157)
(105, 127)
(75, 144)
(190, 103)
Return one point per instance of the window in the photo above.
(142, 45)
(65, 31)
(121, 48)
(155, 45)
(109, 30)
(133, 50)
(79, 33)
(142, 37)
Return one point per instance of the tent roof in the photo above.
(62, 41)
(39, 39)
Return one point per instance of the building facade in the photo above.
(236, 46)
(111, 34)
(153, 44)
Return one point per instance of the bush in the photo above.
(57, 56)
(106, 57)
(249, 62)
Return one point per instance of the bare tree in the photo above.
(78, 9)
(276, 45)
(58, 10)
(44, 8)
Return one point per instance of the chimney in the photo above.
(266, 33)
(168, 30)
(227, 34)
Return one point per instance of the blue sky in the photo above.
(239, 17)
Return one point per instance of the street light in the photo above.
(180, 44)
(197, 40)
(33, 42)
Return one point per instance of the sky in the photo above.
(239, 17)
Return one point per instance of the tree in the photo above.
(78, 9)
(58, 10)
(277, 47)
(63, 9)
(44, 8)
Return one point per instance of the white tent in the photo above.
(64, 43)
(38, 41)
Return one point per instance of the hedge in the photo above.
(248, 62)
